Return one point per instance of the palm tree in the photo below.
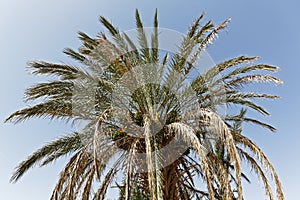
(149, 119)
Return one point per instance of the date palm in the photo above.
(149, 119)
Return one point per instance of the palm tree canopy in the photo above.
(150, 118)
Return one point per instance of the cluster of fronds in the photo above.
(139, 128)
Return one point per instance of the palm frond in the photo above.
(133, 48)
(189, 42)
(260, 173)
(187, 134)
(88, 185)
(75, 55)
(240, 81)
(194, 27)
(245, 69)
(142, 38)
(101, 192)
(210, 74)
(113, 30)
(154, 40)
(208, 40)
(251, 95)
(64, 71)
(129, 171)
(72, 177)
(240, 119)
(53, 90)
(222, 174)
(247, 143)
(51, 108)
(48, 153)
(115, 33)
(247, 103)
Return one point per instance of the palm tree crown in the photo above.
(150, 118)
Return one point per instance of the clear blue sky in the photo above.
(40, 30)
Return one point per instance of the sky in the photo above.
(40, 30)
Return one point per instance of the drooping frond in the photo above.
(101, 192)
(259, 171)
(187, 134)
(245, 119)
(77, 169)
(88, 185)
(129, 171)
(222, 174)
(247, 143)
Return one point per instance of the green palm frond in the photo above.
(246, 69)
(250, 120)
(51, 90)
(113, 30)
(194, 28)
(133, 50)
(53, 150)
(65, 71)
(54, 109)
(240, 81)
(75, 55)
(142, 38)
(247, 103)
(117, 37)
(154, 40)
(188, 44)
(208, 39)
(219, 68)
